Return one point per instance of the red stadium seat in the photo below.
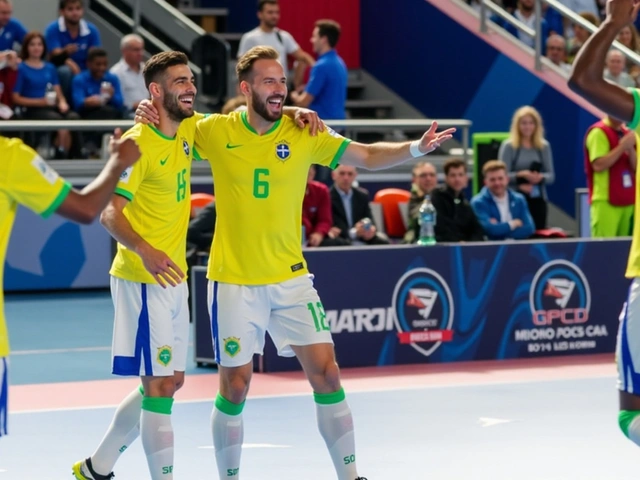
(389, 198)
(199, 201)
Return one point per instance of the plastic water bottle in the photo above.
(427, 222)
(105, 92)
(50, 95)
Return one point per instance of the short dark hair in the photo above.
(454, 163)
(65, 3)
(24, 51)
(244, 68)
(329, 29)
(96, 52)
(159, 63)
(262, 3)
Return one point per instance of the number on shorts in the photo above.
(319, 317)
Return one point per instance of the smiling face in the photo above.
(267, 88)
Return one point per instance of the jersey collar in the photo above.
(243, 115)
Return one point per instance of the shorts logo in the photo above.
(164, 355)
(423, 307)
(559, 293)
(282, 150)
(232, 346)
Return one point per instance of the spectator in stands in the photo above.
(424, 179)
(201, 228)
(69, 39)
(526, 14)
(12, 31)
(502, 212)
(591, 7)
(580, 35)
(9, 62)
(129, 72)
(529, 161)
(316, 215)
(628, 37)
(557, 52)
(268, 33)
(611, 152)
(455, 220)
(37, 91)
(554, 19)
(352, 216)
(615, 70)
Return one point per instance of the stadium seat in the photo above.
(390, 198)
(199, 201)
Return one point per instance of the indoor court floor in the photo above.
(549, 419)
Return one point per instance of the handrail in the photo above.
(536, 33)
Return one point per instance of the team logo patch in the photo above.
(165, 355)
(185, 147)
(282, 150)
(424, 308)
(332, 132)
(232, 346)
(49, 174)
(126, 175)
(559, 291)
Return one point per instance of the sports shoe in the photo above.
(83, 470)
(361, 478)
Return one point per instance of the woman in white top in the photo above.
(529, 161)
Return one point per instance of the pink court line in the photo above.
(109, 393)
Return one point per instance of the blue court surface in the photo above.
(544, 430)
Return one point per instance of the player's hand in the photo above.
(125, 151)
(622, 12)
(161, 267)
(432, 139)
(304, 116)
(147, 113)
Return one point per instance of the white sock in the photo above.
(124, 429)
(157, 436)
(335, 423)
(228, 434)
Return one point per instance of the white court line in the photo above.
(349, 392)
(60, 350)
(250, 445)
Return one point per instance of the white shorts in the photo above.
(240, 316)
(628, 342)
(151, 328)
(4, 394)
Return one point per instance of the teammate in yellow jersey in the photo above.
(258, 280)
(26, 179)
(587, 80)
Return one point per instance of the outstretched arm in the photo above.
(587, 77)
(381, 155)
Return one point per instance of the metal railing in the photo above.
(489, 5)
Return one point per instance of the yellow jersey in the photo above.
(25, 179)
(633, 264)
(259, 185)
(158, 188)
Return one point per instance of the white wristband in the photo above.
(414, 148)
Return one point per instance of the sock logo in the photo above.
(164, 355)
(349, 459)
(122, 448)
(232, 346)
(167, 470)
(232, 472)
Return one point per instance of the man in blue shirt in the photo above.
(69, 39)
(12, 32)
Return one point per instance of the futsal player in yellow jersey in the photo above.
(587, 80)
(258, 280)
(26, 179)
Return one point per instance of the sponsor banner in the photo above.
(398, 305)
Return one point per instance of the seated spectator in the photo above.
(352, 217)
(524, 12)
(316, 215)
(455, 219)
(554, 19)
(628, 37)
(37, 91)
(129, 72)
(615, 70)
(557, 52)
(69, 39)
(96, 92)
(201, 228)
(12, 31)
(580, 35)
(502, 212)
(424, 179)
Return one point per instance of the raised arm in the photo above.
(381, 155)
(587, 76)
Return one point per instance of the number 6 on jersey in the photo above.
(260, 187)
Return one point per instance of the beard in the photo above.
(175, 112)
(261, 108)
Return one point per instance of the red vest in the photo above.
(618, 194)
